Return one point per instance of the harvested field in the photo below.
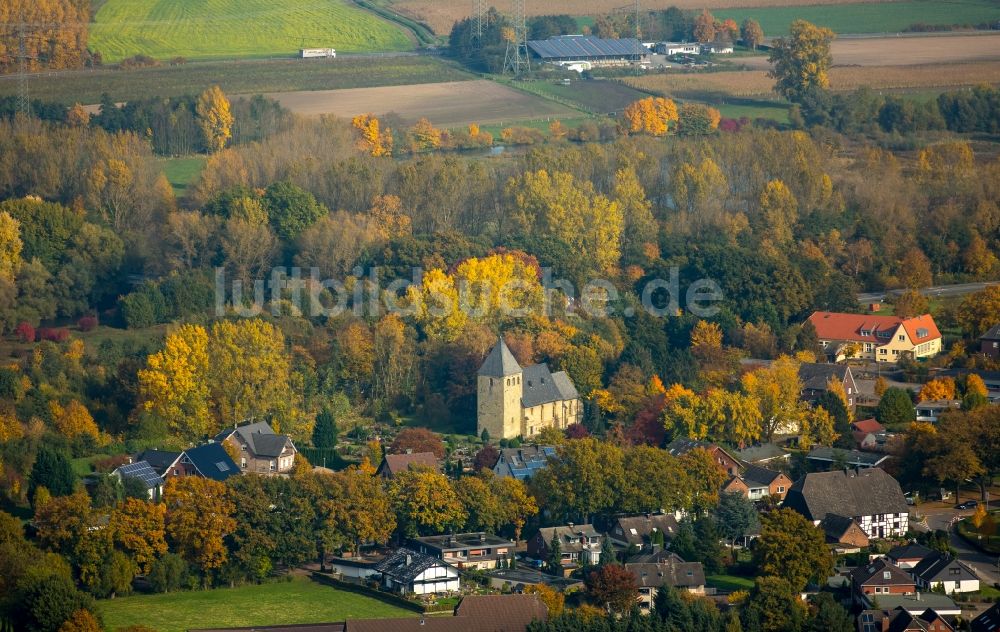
(441, 14)
(756, 83)
(906, 51)
(449, 104)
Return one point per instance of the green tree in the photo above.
(790, 546)
(585, 479)
(291, 209)
(736, 516)
(834, 405)
(895, 407)
(168, 573)
(773, 606)
(801, 60)
(53, 471)
(325, 431)
(117, 573)
(42, 604)
(554, 561)
(828, 615)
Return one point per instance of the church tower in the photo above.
(498, 399)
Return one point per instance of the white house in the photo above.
(940, 569)
(406, 571)
(144, 473)
(870, 497)
(675, 48)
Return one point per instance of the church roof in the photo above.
(540, 386)
(499, 362)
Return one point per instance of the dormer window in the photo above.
(887, 575)
(866, 332)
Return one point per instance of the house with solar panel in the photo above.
(512, 401)
(210, 461)
(523, 463)
(261, 450)
(145, 474)
(582, 52)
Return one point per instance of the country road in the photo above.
(959, 289)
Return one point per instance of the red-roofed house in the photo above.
(866, 433)
(875, 337)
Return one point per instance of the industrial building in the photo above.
(579, 49)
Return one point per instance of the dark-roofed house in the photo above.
(673, 573)
(826, 457)
(523, 463)
(843, 531)
(141, 471)
(900, 619)
(757, 483)
(563, 49)
(763, 454)
(941, 570)
(475, 613)
(871, 497)
(816, 381)
(407, 571)
(908, 555)
(638, 531)
(164, 462)
(211, 461)
(393, 464)
(512, 401)
(988, 621)
(466, 550)
(881, 577)
(261, 451)
(579, 544)
(727, 462)
(989, 343)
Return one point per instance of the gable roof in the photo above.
(850, 457)
(526, 461)
(938, 567)
(761, 453)
(499, 362)
(868, 425)
(396, 463)
(993, 333)
(836, 527)
(850, 494)
(541, 386)
(815, 376)
(638, 529)
(404, 565)
(259, 437)
(565, 533)
(159, 460)
(212, 461)
(911, 551)
(680, 447)
(840, 326)
(757, 476)
(140, 470)
(671, 572)
(874, 574)
(989, 621)
(900, 619)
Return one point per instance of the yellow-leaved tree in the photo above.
(214, 118)
(10, 247)
(174, 385)
(199, 516)
(73, 420)
(653, 115)
(937, 389)
(371, 137)
(779, 211)
(801, 60)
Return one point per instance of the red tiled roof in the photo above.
(839, 326)
(397, 463)
(868, 425)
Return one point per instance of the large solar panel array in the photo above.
(584, 47)
(142, 471)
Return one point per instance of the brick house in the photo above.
(727, 462)
(989, 343)
(816, 380)
(880, 577)
(843, 532)
(902, 620)
(757, 483)
(260, 450)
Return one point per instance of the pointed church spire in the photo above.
(499, 361)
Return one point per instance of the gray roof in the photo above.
(565, 533)
(403, 565)
(815, 376)
(874, 574)
(584, 46)
(993, 333)
(159, 460)
(915, 603)
(989, 621)
(461, 541)
(540, 386)
(644, 526)
(850, 494)
(850, 457)
(671, 573)
(522, 463)
(937, 567)
(760, 453)
(212, 461)
(756, 476)
(260, 438)
(835, 526)
(499, 362)
(142, 471)
(911, 551)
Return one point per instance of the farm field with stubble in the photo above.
(218, 29)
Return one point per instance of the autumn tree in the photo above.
(776, 390)
(653, 115)
(73, 420)
(801, 60)
(425, 502)
(387, 215)
(413, 440)
(424, 137)
(199, 515)
(915, 269)
(10, 247)
(790, 546)
(583, 480)
(372, 139)
(774, 605)
(704, 27)
(978, 312)
(214, 118)
(910, 303)
(778, 212)
(139, 530)
(654, 480)
(978, 259)
(174, 385)
(937, 389)
(639, 227)
(613, 587)
(705, 478)
(751, 33)
(696, 119)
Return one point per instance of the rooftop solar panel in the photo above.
(583, 46)
(142, 471)
(222, 466)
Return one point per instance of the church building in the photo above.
(513, 401)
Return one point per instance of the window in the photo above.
(882, 352)
(887, 575)
(902, 337)
(273, 465)
(243, 463)
(781, 489)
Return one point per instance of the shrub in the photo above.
(53, 334)
(25, 332)
(138, 61)
(87, 323)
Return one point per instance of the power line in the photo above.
(516, 58)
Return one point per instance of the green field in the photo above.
(729, 582)
(236, 77)
(590, 95)
(215, 29)
(880, 17)
(775, 111)
(298, 601)
(181, 172)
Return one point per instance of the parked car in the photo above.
(969, 504)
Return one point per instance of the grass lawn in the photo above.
(235, 77)
(593, 95)
(753, 109)
(81, 466)
(182, 171)
(216, 29)
(298, 601)
(729, 582)
(873, 17)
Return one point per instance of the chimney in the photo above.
(409, 559)
(570, 525)
(918, 595)
(482, 536)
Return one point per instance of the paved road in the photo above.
(960, 289)
(938, 516)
